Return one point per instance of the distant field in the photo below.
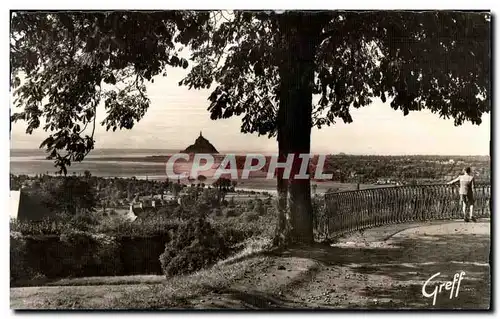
(270, 185)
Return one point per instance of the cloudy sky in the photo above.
(177, 115)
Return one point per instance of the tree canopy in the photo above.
(71, 62)
(71, 196)
(438, 60)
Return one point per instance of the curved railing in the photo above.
(355, 210)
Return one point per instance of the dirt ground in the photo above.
(370, 270)
(382, 268)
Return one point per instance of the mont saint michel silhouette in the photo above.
(201, 145)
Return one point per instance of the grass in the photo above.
(95, 281)
(252, 247)
(108, 294)
(109, 280)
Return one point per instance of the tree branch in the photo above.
(93, 122)
(84, 128)
(222, 14)
(325, 35)
(138, 89)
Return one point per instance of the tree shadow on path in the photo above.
(409, 263)
(385, 276)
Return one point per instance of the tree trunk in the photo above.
(294, 137)
(284, 227)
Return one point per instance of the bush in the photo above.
(90, 254)
(78, 249)
(271, 210)
(238, 229)
(269, 201)
(216, 212)
(82, 221)
(72, 254)
(152, 226)
(250, 205)
(259, 207)
(19, 268)
(202, 208)
(44, 227)
(231, 212)
(196, 244)
(139, 255)
(250, 216)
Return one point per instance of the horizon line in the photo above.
(225, 152)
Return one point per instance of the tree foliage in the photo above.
(69, 195)
(435, 60)
(66, 64)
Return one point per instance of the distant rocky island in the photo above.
(201, 145)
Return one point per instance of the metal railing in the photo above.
(356, 210)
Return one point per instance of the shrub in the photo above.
(271, 210)
(90, 254)
(259, 207)
(83, 221)
(106, 259)
(152, 226)
(178, 212)
(238, 229)
(217, 212)
(195, 245)
(269, 201)
(250, 205)
(250, 216)
(139, 254)
(72, 254)
(231, 212)
(19, 267)
(209, 196)
(44, 227)
(202, 208)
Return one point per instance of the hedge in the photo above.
(82, 254)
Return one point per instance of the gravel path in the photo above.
(381, 268)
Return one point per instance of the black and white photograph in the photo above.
(250, 159)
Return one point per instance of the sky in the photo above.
(177, 115)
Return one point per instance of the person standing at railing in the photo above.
(466, 193)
